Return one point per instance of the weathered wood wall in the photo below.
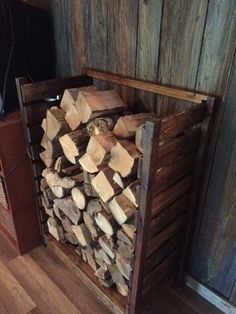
(187, 43)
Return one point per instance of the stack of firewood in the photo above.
(90, 181)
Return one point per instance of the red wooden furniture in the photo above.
(18, 216)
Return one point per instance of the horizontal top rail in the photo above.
(146, 86)
(39, 90)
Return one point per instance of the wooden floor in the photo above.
(40, 283)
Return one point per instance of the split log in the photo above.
(78, 197)
(91, 260)
(102, 258)
(102, 274)
(83, 235)
(131, 192)
(73, 117)
(123, 289)
(124, 265)
(89, 190)
(98, 103)
(101, 125)
(90, 223)
(94, 206)
(54, 180)
(99, 146)
(71, 94)
(124, 158)
(48, 162)
(54, 229)
(106, 222)
(122, 182)
(67, 225)
(68, 207)
(123, 237)
(139, 138)
(74, 144)
(129, 230)
(71, 171)
(52, 148)
(71, 238)
(127, 126)
(83, 253)
(118, 278)
(88, 164)
(44, 125)
(57, 212)
(104, 185)
(121, 208)
(108, 245)
(125, 250)
(48, 210)
(61, 163)
(59, 191)
(56, 124)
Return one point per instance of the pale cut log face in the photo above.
(88, 164)
(69, 148)
(104, 224)
(78, 197)
(102, 187)
(121, 161)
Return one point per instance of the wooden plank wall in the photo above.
(187, 43)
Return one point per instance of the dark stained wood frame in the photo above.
(29, 94)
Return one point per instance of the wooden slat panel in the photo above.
(166, 264)
(51, 88)
(173, 125)
(160, 221)
(165, 235)
(122, 41)
(168, 175)
(147, 86)
(170, 195)
(179, 144)
(182, 31)
(218, 47)
(158, 256)
(149, 29)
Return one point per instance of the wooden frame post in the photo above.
(151, 141)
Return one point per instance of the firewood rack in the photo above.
(167, 203)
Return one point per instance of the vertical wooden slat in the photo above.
(122, 34)
(181, 36)
(64, 44)
(151, 135)
(78, 33)
(148, 40)
(96, 36)
(218, 47)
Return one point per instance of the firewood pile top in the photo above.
(91, 152)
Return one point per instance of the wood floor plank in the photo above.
(7, 251)
(46, 294)
(70, 284)
(13, 297)
(199, 304)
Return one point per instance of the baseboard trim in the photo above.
(210, 296)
